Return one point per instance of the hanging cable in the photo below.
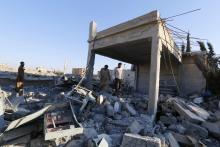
(171, 67)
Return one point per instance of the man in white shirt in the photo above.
(118, 78)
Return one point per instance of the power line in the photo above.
(183, 13)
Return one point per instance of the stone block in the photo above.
(134, 140)
(109, 110)
(172, 140)
(195, 130)
(130, 109)
(213, 128)
(135, 127)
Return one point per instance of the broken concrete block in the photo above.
(99, 117)
(198, 100)
(135, 127)
(117, 117)
(130, 109)
(177, 128)
(117, 139)
(104, 143)
(187, 114)
(100, 99)
(117, 107)
(28, 118)
(75, 143)
(217, 114)
(172, 140)
(199, 111)
(134, 140)
(109, 110)
(168, 120)
(195, 130)
(90, 133)
(38, 142)
(213, 128)
(18, 132)
(103, 140)
(182, 139)
(21, 140)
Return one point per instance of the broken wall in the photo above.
(191, 78)
(166, 76)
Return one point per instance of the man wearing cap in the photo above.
(20, 79)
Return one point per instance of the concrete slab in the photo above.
(134, 140)
(26, 119)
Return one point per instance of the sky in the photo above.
(49, 33)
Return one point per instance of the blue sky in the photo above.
(48, 32)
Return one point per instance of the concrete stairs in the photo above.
(167, 86)
(167, 90)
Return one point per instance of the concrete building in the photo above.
(78, 72)
(146, 43)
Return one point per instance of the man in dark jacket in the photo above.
(20, 79)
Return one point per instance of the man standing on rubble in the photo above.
(20, 79)
(105, 78)
(118, 78)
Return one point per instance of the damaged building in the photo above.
(166, 110)
(147, 43)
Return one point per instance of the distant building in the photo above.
(78, 72)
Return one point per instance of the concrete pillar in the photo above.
(91, 55)
(156, 49)
(136, 77)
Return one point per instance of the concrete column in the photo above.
(91, 55)
(136, 76)
(156, 48)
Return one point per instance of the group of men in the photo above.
(105, 78)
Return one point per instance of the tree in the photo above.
(202, 46)
(211, 52)
(183, 48)
(188, 47)
(211, 56)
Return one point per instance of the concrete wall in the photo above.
(188, 76)
(191, 78)
(78, 71)
(166, 77)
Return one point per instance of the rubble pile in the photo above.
(82, 117)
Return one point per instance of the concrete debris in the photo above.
(103, 140)
(214, 128)
(196, 130)
(134, 140)
(186, 113)
(135, 127)
(198, 100)
(100, 99)
(109, 109)
(172, 140)
(217, 114)
(117, 107)
(130, 109)
(82, 117)
(182, 139)
(177, 128)
(17, 133)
